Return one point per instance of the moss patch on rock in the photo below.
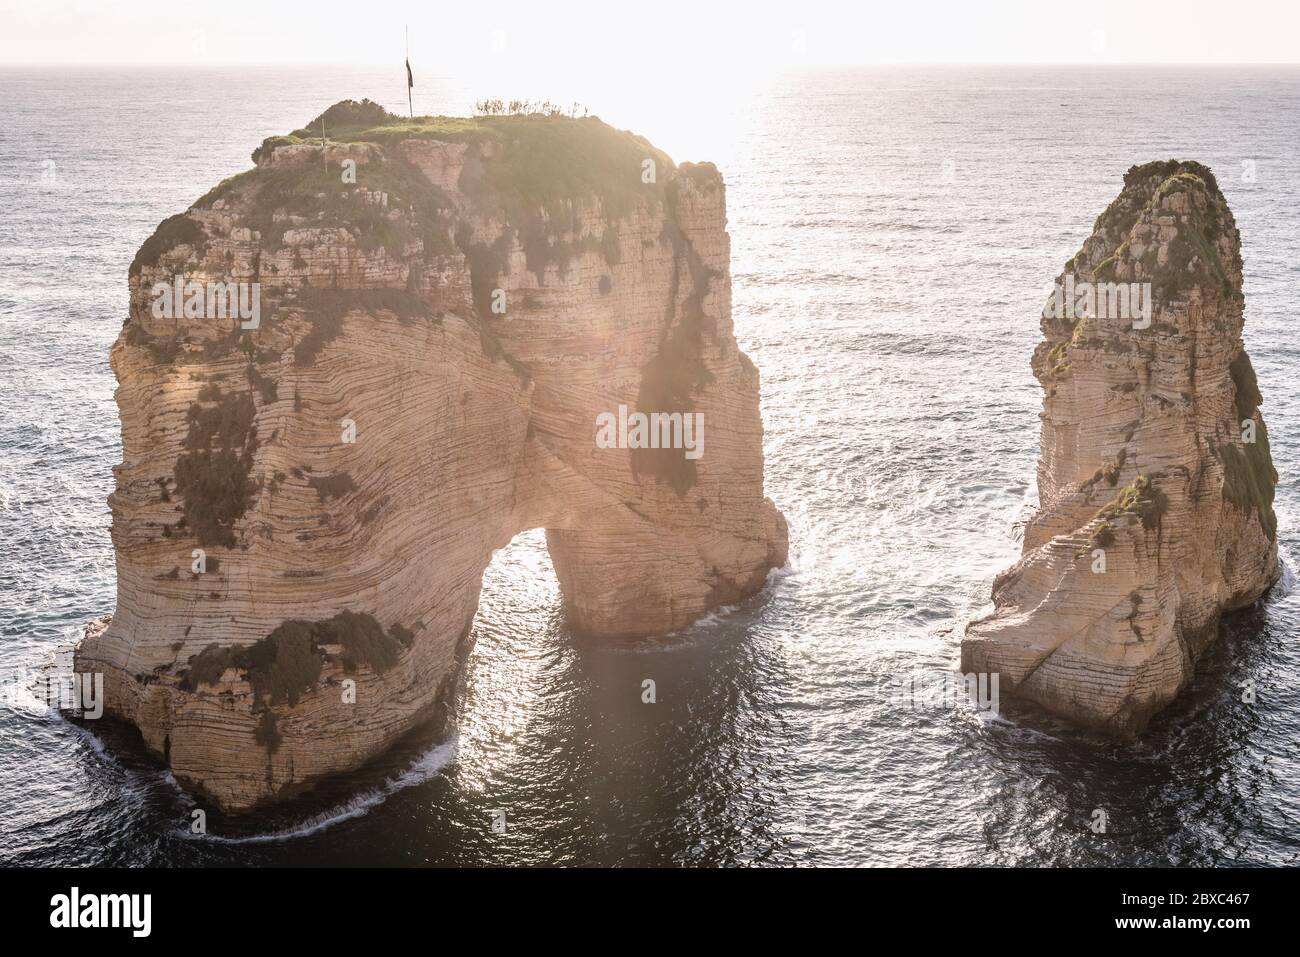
(486, 262)
(364, 641)
(1249, 478)
(266, 387)
(1245, 385)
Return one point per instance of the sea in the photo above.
(894, 231)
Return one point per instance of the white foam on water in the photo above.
(712, 617)
(87, 736)
(427, 767)
(182, 795)
(134, 784)
(1009, 725)
(1285, 581)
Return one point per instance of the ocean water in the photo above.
(893, 231)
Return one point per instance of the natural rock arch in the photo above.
(348, 467)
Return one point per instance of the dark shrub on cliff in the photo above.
(268, 733)
(212, 476)
(349, 114)
(175, 230)
(285, 663)
(207, 667)
(363, 639)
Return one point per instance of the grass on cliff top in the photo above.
(1167, 169)
(317, 197)
(545, 159)
(538, 166)
(1147, 183)
(364, 121)
(1194, 258)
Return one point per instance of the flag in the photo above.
(410, 77)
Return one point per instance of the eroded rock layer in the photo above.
(1155, 479)
(446, 307)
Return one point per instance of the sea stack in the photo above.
(1155, 480)
(447, 310)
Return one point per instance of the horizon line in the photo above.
(789, 67)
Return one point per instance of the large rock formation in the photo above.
(1155, 480)
(448, 308)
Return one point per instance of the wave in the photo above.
(427, 767)
(85, 735)
(1286, 580)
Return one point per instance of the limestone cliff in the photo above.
(1155, 479)
(447, 307)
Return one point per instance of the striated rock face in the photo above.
(1155, 480)
(447, 308)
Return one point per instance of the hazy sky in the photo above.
(641, 40)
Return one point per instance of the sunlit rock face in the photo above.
(1155, 480)
(448, 308)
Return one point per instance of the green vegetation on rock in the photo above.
(541, 159)
(1245, 385)
(1109, 473)
(284, 664)
(1249, 478)
(1164, 169)
(1193, 256)
(1141, 498)
(533, 168)
(543, 174)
